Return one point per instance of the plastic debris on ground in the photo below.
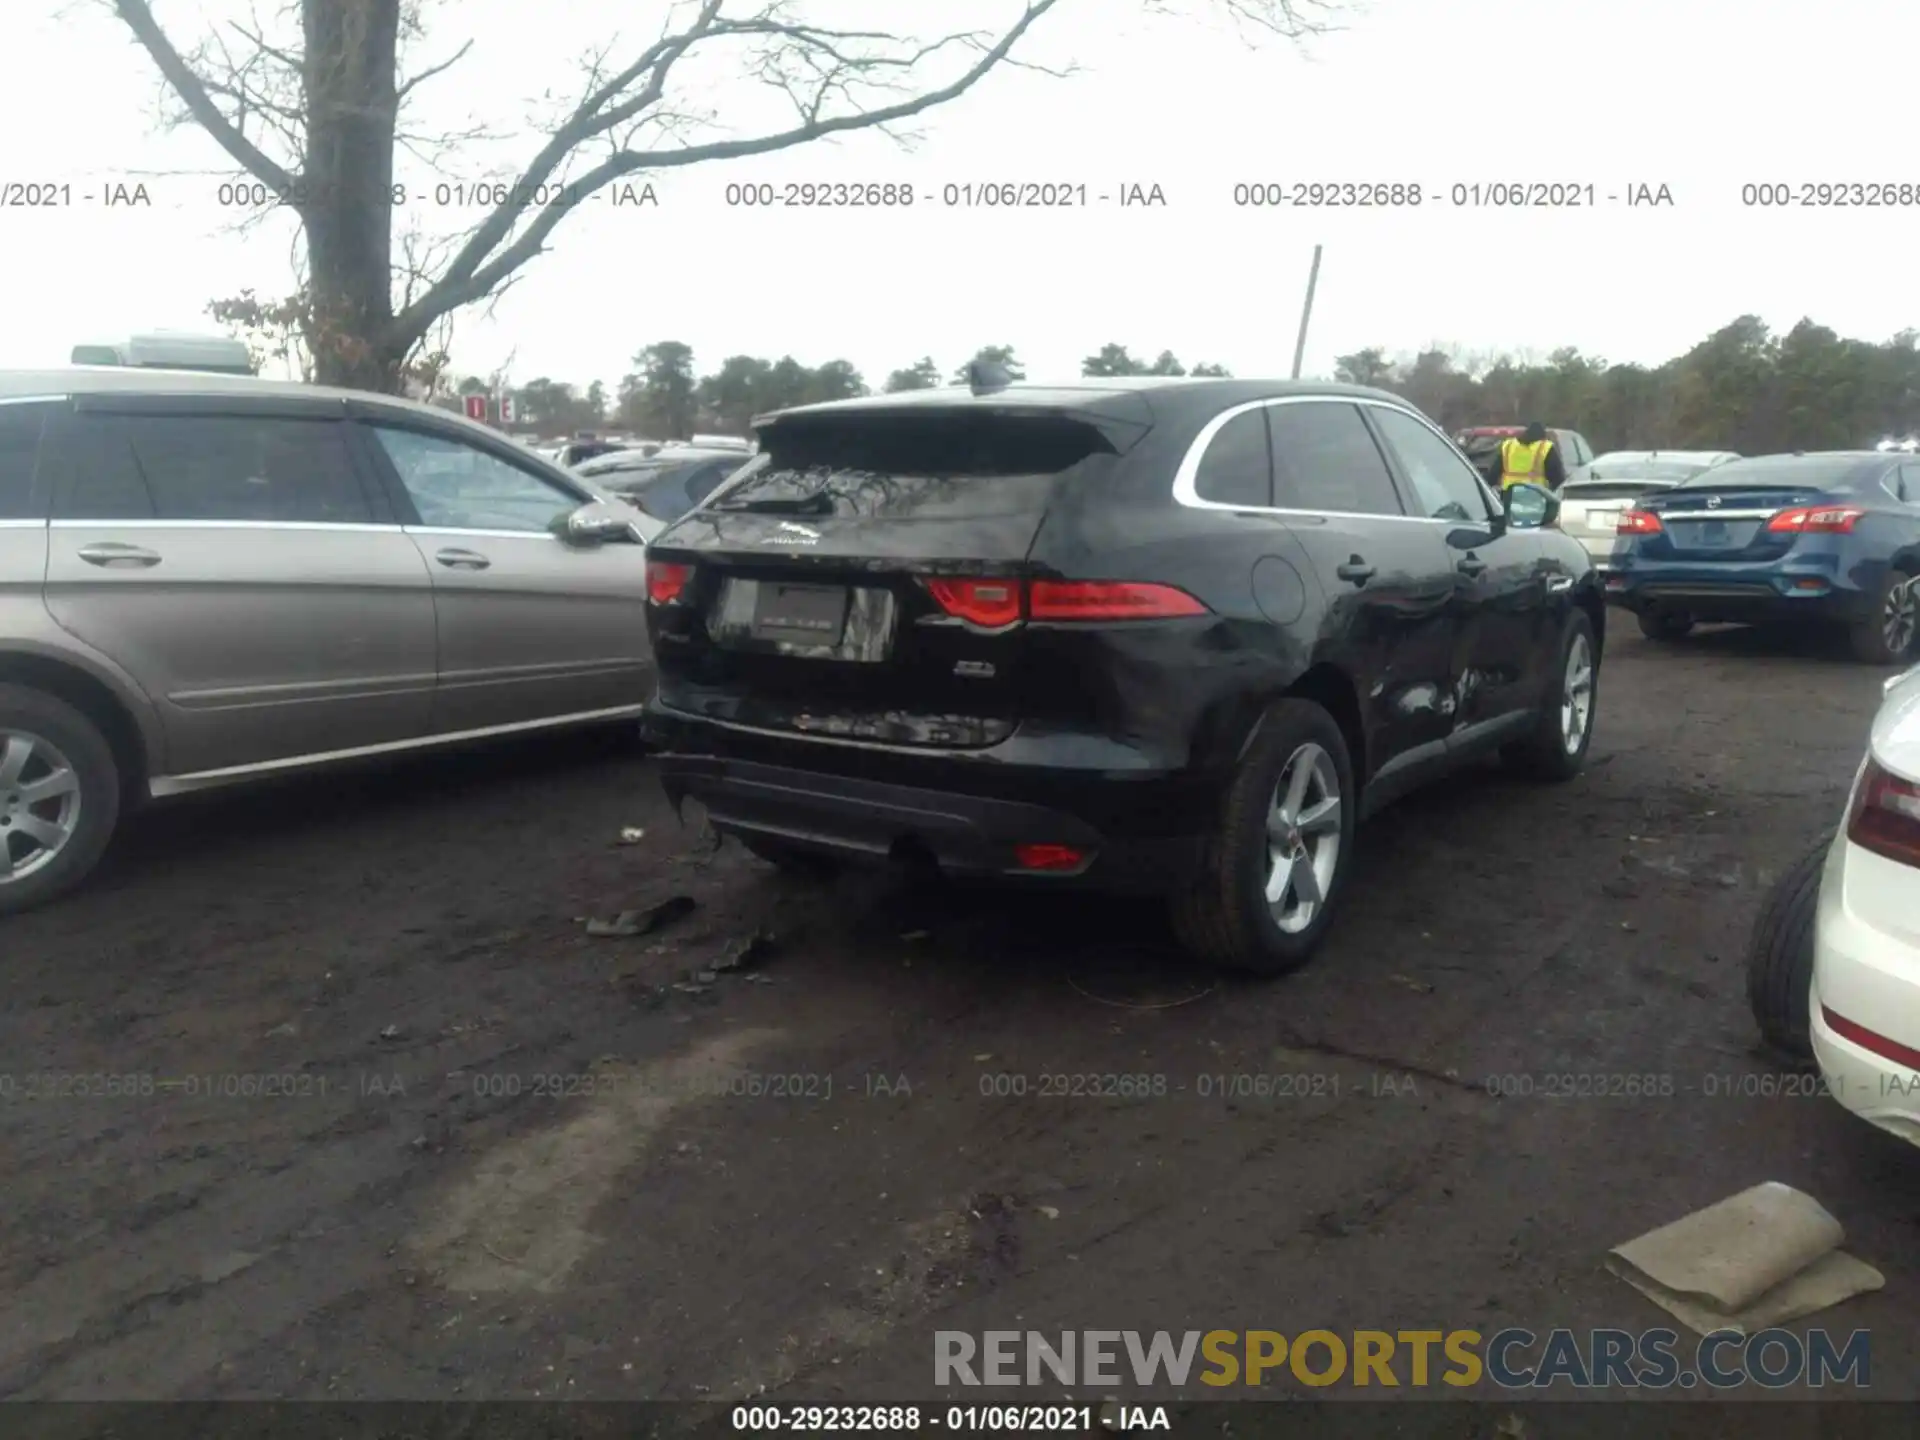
(1762, 1258)
(644, 922)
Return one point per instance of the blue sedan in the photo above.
(1831, 537)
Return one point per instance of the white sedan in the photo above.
(1834, 970)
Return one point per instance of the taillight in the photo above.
(1638, 522)
(666, 581)
(1886, 816)
(990, 604)
(1817, 520)
(996, 604)
(1106, 600)
(1049, 857)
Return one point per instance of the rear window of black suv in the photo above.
(960, 462)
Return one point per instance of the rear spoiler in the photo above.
(1122, 432)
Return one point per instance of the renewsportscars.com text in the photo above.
(1514, 1359)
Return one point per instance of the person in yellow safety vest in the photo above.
(1532, 459)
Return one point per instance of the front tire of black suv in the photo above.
(1563, 731)
(1272, 871)
(59, 797)
(1665, 625)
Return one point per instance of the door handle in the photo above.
(463, 559)
(110, 553)
(1356, 570)
(1472, 565)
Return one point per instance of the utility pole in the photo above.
(1306, 313)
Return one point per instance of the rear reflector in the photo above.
(666, 581)
(1817, 520)
(1638, 522)
(997, 604)
(1886, 816)
(1872, 1040)
(1049, 857)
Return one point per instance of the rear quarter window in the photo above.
(1236, 468)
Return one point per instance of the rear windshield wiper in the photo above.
(818, 503)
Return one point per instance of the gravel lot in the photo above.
(402, 1129)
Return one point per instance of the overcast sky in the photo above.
(1702, 96)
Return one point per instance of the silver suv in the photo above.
(207, 579)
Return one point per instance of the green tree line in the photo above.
(666, 398)
(1742, 388)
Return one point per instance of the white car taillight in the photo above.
(1886, 816)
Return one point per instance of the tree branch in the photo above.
(138, 16)
(445, 65)
(488, 258)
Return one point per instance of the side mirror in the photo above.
(1529, 507)
(598, 522)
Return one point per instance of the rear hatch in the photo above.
(866, 577)
(1726, 522)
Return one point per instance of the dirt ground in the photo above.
(390, 1124)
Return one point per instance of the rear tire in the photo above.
(1275, 819)
(792, 859)
(1665, 625)
(51, 843)
(1780, 955)
(1563, 731)
(1886, 637)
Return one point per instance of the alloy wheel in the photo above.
(1576, 695)
(1303, 838)
(39, 803)
(1901, 618)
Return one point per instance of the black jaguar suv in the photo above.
(1153, 634)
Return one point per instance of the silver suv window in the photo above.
(19, 449)
(208, 467)
(455, 486)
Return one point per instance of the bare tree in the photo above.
(317, 122)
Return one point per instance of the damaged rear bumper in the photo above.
(865, 818)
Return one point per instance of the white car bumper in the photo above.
(1866, 987)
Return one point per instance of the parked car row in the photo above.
(1160, 634)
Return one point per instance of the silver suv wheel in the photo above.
(39, 804)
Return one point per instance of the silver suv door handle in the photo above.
(111, 553)
(463, 559)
